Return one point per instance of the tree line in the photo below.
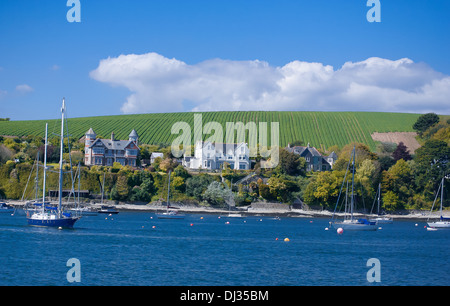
(408, 181)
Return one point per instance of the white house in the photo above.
(155, 155)
(208, 155)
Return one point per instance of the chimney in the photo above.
(112, 136)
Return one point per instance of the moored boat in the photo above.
(5, 208)
(442, 223)
(350, 222)
(48, 216)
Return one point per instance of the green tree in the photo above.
(425, 121)
(391, 201)
(217, 194)
(432, 163)
(121, 189)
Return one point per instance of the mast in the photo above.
(442, 194)
(353, 182)
(45, 168)
(103, 186)
(79, 170)
(168, 192)
(63, 108)
(37, 178)
(379, 195)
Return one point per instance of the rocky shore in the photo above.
(256, 210)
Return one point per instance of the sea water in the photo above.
(136, 248)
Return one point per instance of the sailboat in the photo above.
(442, 222)
(170, 212)
(46, 215)
(231, 203)
(79, 209)
(380, 219)
(349, 222)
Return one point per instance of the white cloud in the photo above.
(159, 84)
(24, 88)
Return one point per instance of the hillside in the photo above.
(320, 129)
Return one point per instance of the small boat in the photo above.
(235, 215)
(5, 208)
(349, 222)
(108, 210)
(171, 212)
(381, 219)
(356, 225)
(442, 223)
(84, 211)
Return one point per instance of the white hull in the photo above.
(382, 220)
(170, 215)
(234, 216)
(439, 224)
(84, 212)
(355, 226)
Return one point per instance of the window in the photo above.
(132, 152)
(97, 150)
(242, 166)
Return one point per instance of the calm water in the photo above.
(126, 250)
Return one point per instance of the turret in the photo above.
(90, 137)
(134, 137)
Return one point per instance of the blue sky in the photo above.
(222, 55)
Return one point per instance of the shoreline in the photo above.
(249, 211)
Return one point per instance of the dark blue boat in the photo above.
(45, 215)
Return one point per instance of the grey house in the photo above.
(314, 160)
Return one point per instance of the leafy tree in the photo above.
(196, 185)
(391, 201)
(425, 121)
(432, 162)
(217, 194)
(121, 189)
(401, 153)
(291, 163)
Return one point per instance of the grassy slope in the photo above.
(320, 129)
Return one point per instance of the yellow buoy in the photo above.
(286, 240)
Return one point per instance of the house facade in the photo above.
(105, 152)
(213, 156)
(314, 160)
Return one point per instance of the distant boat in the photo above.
(108, 210)
(5, 208)
(442, 223)
(231, 203)
(84, 211)
(349, 222)
(381, 219)
(170, 213)
(80, 209)
(48, 216)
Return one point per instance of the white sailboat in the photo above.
(442, 223)
(47, 215)
(231, 203)
(349, 222)
(381, 219)
(80, 209)
(170, 213)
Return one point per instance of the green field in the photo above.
(320, 129)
